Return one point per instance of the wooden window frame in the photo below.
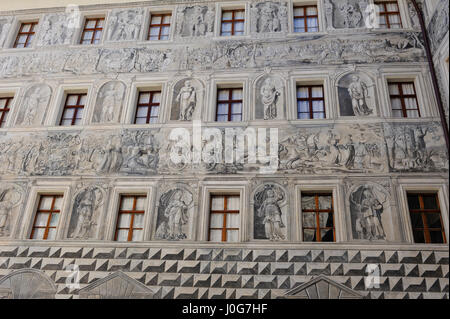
(423, 212)
(50, 212)
(402, 97)
(387, 13)
(148, 105)
(224, 212)
(77, 107)
(159, 25)
(93, 30)
(317, 213)
(5, 110)
(233, 21)
(310, 101)
(133, 212)
(306, 16)
(29, 34)
(230, 103)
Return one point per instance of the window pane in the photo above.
(233, 220)
(299, 12)
(392, 7)
(144, 98)
(51, 234)
(304, 116)
(413, 202)
(227, 15)
(233, 202)
(223, 95)
(156, 20)
(138, 221)
(326, 219)
(317, 106)
(232, 236)
(434, 220)
(309, 235)
(154, 31)
(436, 237)
(319, 115)
(236, 108)
(325, 202)
(416, 220)
(408, 88)
(419, 237)
(429, 202)
(41, 220)
(237, 94)
(217, 203)
(122, 235)
(393, 89)
(222, 118)
(127, 203)
(311, 11)
(156, 97)
(412, 114)
(302, 92)
(236, 118)
(154, 111)
(215, 235)
(140, 203)
(137, 235)
(124, 220)
(239, 14)
(396, 104)
(303, 106)
(317, 91)
(397, 113)
(309, 220)
(46, 202)
(216, 221)
(38, 233)
(167, 19)
(72, 100)
(327, 235)
(142, 111)
(308, 202)
(90, 24)
(54, 220)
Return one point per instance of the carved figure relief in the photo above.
(85, 212)
(34, 105)
(141, 152)
(10, 197)
(195, 21)
(109, 101)
(349, 14)
(269, 17)
(356, 95)
(111, 157)
(175, 210)
(329, 14)
(125, 24)
(270, 221)
(270, 98)
(188, 95)
(5, 25)
(55, 30)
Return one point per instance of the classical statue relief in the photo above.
(109, 101)
(195, 21)
(174, 214)
(269, 98)
(350, 13)
(329, 14)
(10, 197)
(85, 212)
(34, 105)
(356, 95)
(55, 30)
(269, 17)
(187, 99)
(124, 24)
(112, 157)
(268, 213)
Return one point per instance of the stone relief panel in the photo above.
(371, 212)
(195, 21)
(11, 198)
(56, 30)
(270, 212)
(187, 100)
(5, 26)
(109, 102)
(125, 24)
(345, 14)
(357, 95)
(27, 284)
(117, 60)
(86, 210)
(415, 147)
(438, 26)
(175, 213)
(270, 98)
(34, 105)
(269, 16)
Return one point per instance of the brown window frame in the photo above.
(402, 97)
(50, 212)
(306, 16)
(148, 105)
(94, 30)
(159, 25)
(387, 13)
(133, 212)
(29, 34)
(225, 212)
(423, 212)
(230, 103)
(233, 21)
(317, 212)
(77, 107)
(5, 110)
(310, 101)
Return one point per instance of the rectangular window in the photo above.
(426, 218)
(389, 14)
(229, 105)
(92, 32)
(130, 220)
(25, 35)
(159, 27)
(147, 110)
(310, 102)
(232, 22)
(73, 109)
(306, 19)
(5, 103)
(224, 218)
(404, 99)
(318, 217)
(47, 217)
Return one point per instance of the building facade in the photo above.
(342, 186)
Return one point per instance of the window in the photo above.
(25, 35)
(159, 27)
(5, 103)
(47, 217)
(224, 218)
(306, 19)
(73, 109)
(426, 218)
(229, 105)
(232, 22)
(130, 220)
(147, 109)
(404, 99)
(318, 217)
(310, 102)
(389, 14)
(92, 32)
